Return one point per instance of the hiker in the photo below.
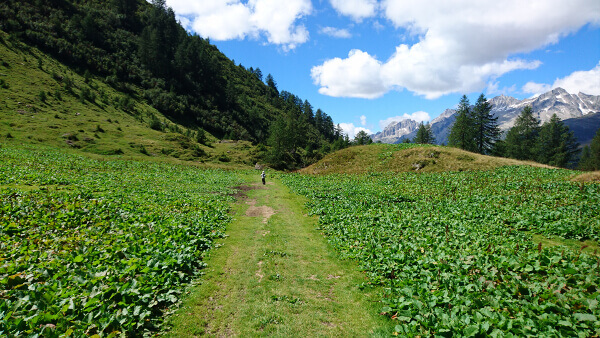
(263, 177)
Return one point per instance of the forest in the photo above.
(134, 44)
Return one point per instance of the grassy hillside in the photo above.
(139, 48)
(406, 158)
(43, 102)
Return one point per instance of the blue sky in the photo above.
(368, 62)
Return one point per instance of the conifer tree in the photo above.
(462, 133)
(424, 134)
(556, 144)
(522, 137)
(485, 126)
(362, 138)
(590, 157)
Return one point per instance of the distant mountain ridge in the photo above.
(557, 101)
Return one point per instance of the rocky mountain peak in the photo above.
(557, 101)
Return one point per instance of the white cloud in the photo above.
(463, 45)
(232, 19)
(536, 88)
(587, 82)
(419, 116)
(493, 89)
(352, 130)
(336, 32)
(363, 120)
(357, 9)
(356, 76)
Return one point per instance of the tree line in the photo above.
(476, 129)
(184, 76)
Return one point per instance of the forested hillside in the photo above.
(133, 44)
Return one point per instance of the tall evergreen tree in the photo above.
(424, 134)
(590, 158)
(556, 144)
(462, 134)
(522, 137)
(362, 138)
(485, 125)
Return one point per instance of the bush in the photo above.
(42, 96)
(156, 124)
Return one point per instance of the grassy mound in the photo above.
(406, 158)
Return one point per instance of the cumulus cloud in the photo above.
(587, 82)
(462, 46)
(356, 76)
(336, 32)
(351, 130)
(419, 116)
(356, 9)
(232, 19)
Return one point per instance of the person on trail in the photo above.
(263, 175)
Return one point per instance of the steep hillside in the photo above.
(406, 158)
(139, 49)
(43, 102)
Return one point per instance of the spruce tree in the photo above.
(485, 125)
(556, 144)
(595, 150)
(590, 157)
(424, 134)
(522, 137)
(462, 133)
(362, 138)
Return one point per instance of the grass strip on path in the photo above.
(276, 275)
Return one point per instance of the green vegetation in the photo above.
(275, 275)
(101, 247)
(406, 157)
(424, 134)
(590, 157)
(453, 250)
(476, 129)
(140, 51)
(115, 123)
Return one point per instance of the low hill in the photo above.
(44, 102)
(406, 158)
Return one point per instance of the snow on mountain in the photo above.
(557, 101)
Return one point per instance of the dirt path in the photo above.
(276, 276)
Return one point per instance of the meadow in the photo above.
(466, 252)
(104, 246)
(101, 247)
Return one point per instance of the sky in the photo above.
(368, 63)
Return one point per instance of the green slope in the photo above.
(407, 158)
(140, 49)
(43, 102)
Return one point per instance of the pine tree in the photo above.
(485, 125)
(462, 133)
(556, 144)
(590, 157)
(362, 138)
(424, 134)
(522, 137)
(595, 150)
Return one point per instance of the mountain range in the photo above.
(581, 112)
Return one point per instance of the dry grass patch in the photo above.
(590, 177)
